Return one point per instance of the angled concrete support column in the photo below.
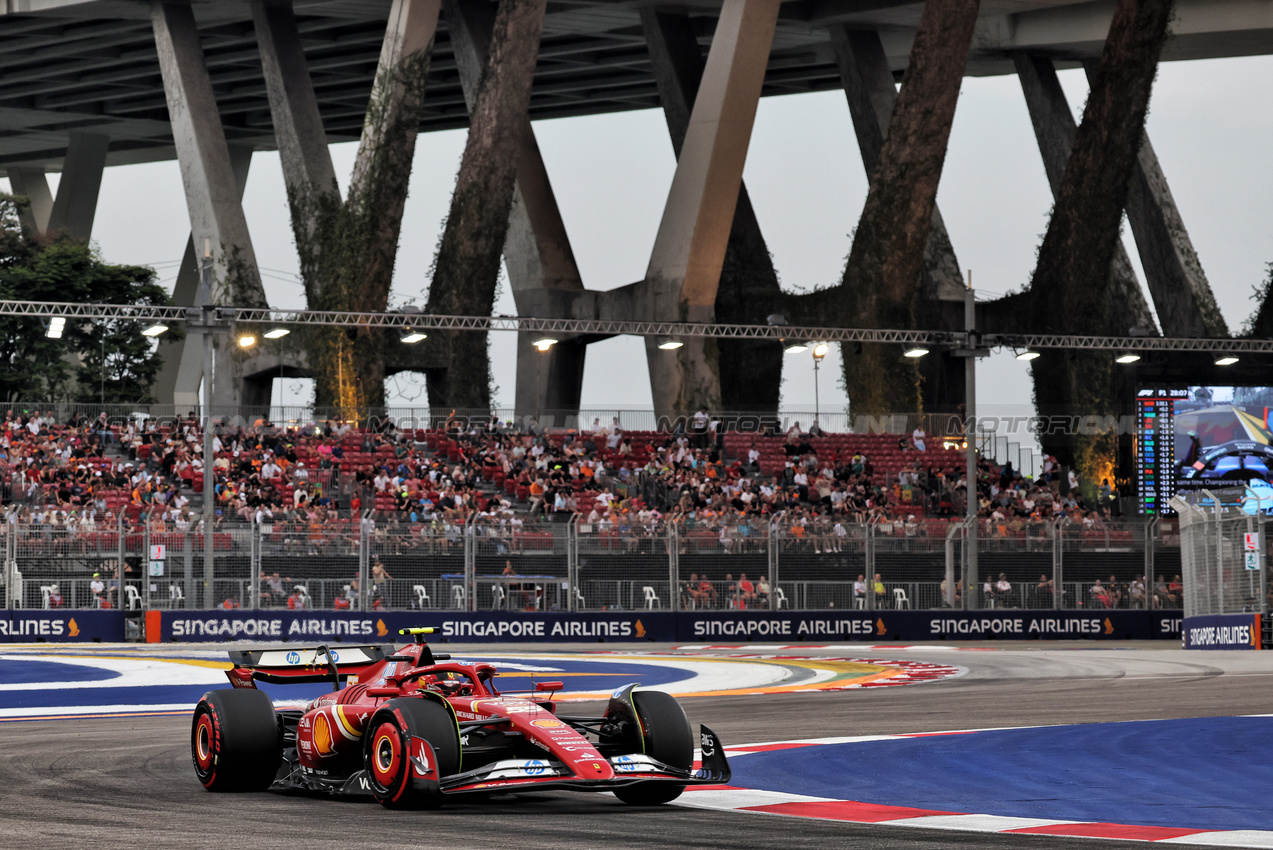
(298, 125)
(750, 371)
(75, 206)
(31, 183)
(76, 202)
(689, 251)
(537, 250)
(212, 197)
(871, 94)
(1054, 129)
(466, 270)
(1182, 296)
(178, 380)
(348, 249)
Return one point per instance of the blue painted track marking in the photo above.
(1207, 773)
(31, 672)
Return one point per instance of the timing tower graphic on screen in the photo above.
(1193, 438)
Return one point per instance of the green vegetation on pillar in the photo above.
(1070, 291)
(884, 274)
(466, 269)
(347, 250)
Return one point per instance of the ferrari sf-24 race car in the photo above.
(411, 729)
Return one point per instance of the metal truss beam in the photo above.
(603, 328)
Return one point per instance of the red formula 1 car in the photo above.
(410, 729)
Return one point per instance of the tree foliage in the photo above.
(94, 360)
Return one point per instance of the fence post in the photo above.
(869, 551)
(254, 580)
(673, 563)
(572, 562)
(13, 591)
(470, 566)
(365, 526)
(772, 544)
(1058, 567)
(949, 596)
(145, 559)
(122, 599)
(1151, 534)
(187, 548)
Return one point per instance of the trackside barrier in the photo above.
(664, 626)
(61, 626)
(1222, 631)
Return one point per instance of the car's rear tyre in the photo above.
(235, 740)
(390, 773)
(668, 738)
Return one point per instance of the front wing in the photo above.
(550, 774)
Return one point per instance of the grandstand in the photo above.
(477, 515)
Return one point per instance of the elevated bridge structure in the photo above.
(89, 84)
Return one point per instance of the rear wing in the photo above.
(304, 664)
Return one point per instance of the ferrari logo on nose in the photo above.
(597, 767)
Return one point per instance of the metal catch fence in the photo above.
(501, 562)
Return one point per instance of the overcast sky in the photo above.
(611, 174)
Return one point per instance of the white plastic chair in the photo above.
(457, 598)
(134, 598)
(860, 603)
(421, 596)
(499, 596)
(651, 598)
(349, 594)
(176, 598)
(46, 591)
(900, 599)
(780, 599)
(580, 604)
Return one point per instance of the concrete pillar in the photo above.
(408, 38)
(871, 93)
(466, 269)
(75, 206)
(76, 202)
(1054, 128)
(178, 380)
(31, 183)
(685, 264)
(750, 371)
(212, 197)
(1182, 296)
(298, 125)
(537, 250)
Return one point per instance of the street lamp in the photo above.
(819, 351)
(277, 333)
(247, 341)
(411, 337)
(544, 343)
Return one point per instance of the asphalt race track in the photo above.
(128, 781)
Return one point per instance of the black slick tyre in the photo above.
(235, 741)
(668, 738)
(390, 773)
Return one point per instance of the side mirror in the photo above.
(549, 686)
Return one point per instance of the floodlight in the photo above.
(411, 337)
(154, 330)
(247, 341)
(1028, 354)
(56, 325)
(277, 333)
(1128, 357)
(544, 343)
(915, 352)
